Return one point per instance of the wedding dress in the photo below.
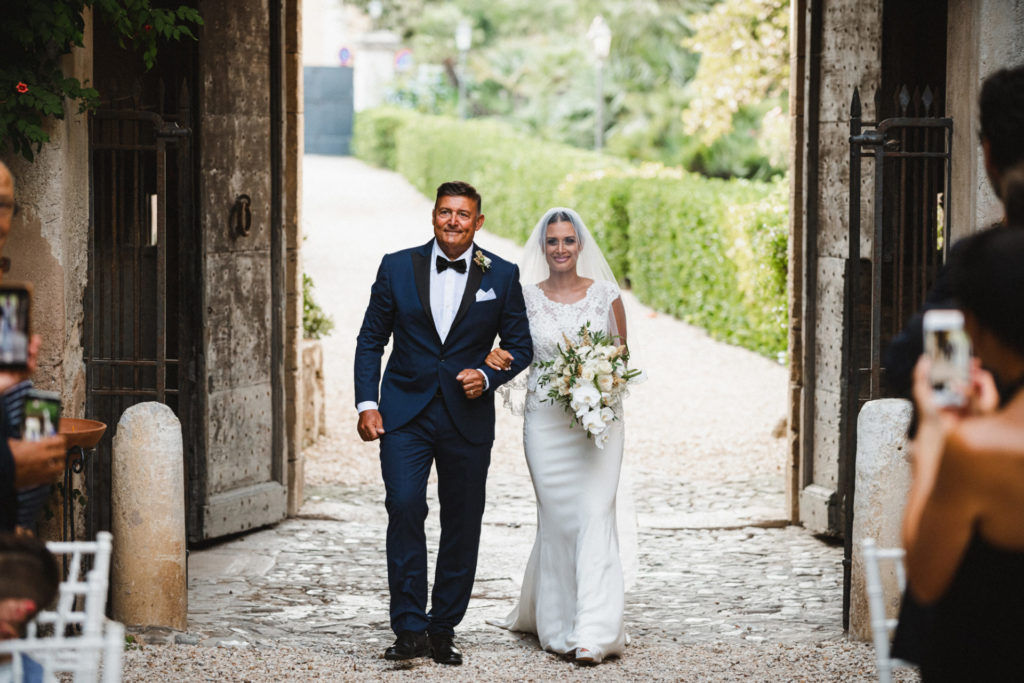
(572, 592)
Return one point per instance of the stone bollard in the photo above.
(148, 580)
(883, 480)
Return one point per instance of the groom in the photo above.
(443, 303)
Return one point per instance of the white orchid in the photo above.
(584, 397)
(592, 422)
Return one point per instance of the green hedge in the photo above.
(711, 252)
(374, 135)
(707, 251)
(518, 176)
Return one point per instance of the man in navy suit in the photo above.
(443, 304)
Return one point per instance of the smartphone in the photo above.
(947, 345)
(15, 332)
(42, 415)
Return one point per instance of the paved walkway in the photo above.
(724, 590)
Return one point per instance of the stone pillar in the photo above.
(374, 68)
(883, 480)
(293, 380)
(148, 584)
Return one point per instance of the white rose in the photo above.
(605, 382)
(604, 367)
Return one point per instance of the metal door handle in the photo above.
(240, 218)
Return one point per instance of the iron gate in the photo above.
(912, 156)
(133, 349)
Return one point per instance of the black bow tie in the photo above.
(459, 265)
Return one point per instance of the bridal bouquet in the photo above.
(586, 378)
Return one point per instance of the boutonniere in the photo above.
(482, 262)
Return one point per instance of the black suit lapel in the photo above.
(469, 296)
(421, 276)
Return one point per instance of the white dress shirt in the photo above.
(446, 290)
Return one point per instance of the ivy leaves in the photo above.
(34, 37)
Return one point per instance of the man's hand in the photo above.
(37, 462)
(371, 425)
(472, 382)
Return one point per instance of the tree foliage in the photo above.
(35, 35)
(531, 65)
(744, 49)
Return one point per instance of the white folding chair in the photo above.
(78, 636)
(882, 626)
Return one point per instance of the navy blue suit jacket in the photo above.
(420, 363)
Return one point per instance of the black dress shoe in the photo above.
(408, 645)
(443, 650)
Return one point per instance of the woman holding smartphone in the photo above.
(963, 528)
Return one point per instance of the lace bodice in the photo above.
(549, 320)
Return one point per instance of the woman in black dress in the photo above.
(964, 523)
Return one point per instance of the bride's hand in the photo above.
(499, 359)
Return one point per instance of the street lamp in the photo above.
(600, 36)
(463, 41)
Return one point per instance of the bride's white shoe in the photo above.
(585, 655)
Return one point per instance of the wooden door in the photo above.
(237, 480)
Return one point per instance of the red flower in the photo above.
(21, 87)
(147, 27)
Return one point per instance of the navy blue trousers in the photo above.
(406, 455)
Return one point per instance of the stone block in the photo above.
(882, 483)
(314, 413)
(148, 577)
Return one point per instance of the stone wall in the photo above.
(849, 59)
(48, 245)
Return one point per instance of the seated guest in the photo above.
(962, 528)
(30, 582)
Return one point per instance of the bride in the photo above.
(572, 592)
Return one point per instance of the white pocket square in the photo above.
(481, 295)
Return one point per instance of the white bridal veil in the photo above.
(533, 266)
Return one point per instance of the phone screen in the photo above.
(15, 305)
(42, 415)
